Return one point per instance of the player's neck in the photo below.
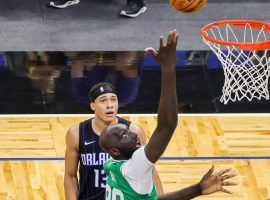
(121, 158)
(124, 157)
(98, 125)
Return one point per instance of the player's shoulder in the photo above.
(123, 120)
(107, 164)
(73, 130)
(111, 164)
(72, 136)
(135, 127)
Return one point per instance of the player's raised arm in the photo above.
(167, 110)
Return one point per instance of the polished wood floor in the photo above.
(44, 137)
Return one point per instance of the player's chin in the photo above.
(137, 147)
(109, 117)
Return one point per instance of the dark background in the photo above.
(44, 82)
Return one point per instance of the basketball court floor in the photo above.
(40, 98)
(32, 153)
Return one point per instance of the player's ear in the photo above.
(114, 152)
(92, 106)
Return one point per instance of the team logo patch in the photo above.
(101, 89)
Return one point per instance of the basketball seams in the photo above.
(199, 4)
(183, 8)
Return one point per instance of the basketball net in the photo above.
(246, 69)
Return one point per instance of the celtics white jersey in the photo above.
(117, 187)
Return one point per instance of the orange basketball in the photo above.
(188, 6)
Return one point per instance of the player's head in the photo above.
(119, 141)
(104, 101)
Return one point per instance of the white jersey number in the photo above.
(113, 194)
(100, 175)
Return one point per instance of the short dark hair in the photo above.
(99, 89)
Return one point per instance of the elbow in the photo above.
(172, 125)
(172, 128)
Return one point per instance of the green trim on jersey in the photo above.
(118, 188)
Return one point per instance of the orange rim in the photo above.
(240, 23)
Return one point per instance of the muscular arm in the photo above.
(141, 134)
(167, 110)
(71, 163)
(209, 184)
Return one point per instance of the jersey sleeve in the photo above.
(138, 172)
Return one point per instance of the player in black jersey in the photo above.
(83, 150)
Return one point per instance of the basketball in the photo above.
(188, 6)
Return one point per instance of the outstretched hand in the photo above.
(166, 55)
(212, 183)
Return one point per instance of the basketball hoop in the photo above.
(242, 47)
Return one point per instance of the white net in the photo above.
(246, 71)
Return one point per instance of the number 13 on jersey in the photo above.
(100, 178)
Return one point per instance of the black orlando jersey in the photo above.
(92, 180)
